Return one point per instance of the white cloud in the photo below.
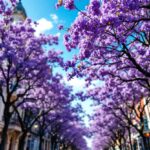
(58, 34)
(78, 84)
(54, 17)
(43, 25)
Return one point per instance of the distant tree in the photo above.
(68, 131)
(125, 103)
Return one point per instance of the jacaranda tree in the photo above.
(125, 103)
(24, 64)
(113, 38)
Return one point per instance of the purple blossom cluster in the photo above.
(113, 41)
(69, 4)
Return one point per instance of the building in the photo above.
(142, 107)
(19, 12)
(14, 130)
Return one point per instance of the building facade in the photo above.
(144, 107)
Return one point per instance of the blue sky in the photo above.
(45, 12)
(48, 17)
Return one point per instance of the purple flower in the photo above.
(60, 27)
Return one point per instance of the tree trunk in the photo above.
(41, 141)
(146, 147)
(113, 147)
(7, 116)
(120, 144)
(52, 145)
(53, 140)
(55, 145)
(64, 146)
(22, 141)
(124, 144)
(120, 147)
(149, 142)
(130, 141)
